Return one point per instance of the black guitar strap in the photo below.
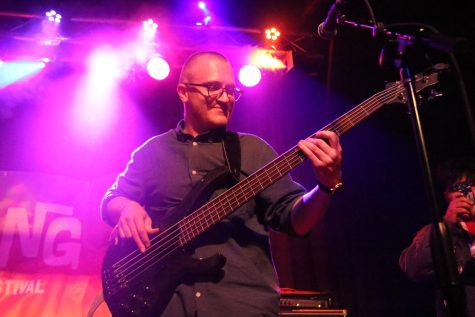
(232, 154)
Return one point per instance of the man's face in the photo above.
(202, 112)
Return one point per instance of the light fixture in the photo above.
(249, 75)
(158, 68)
(272, 34)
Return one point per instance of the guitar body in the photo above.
(149, 293)
(142, 284)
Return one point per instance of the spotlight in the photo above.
(53, 16)
(150, 26)
(272, 34)
(158, 68)
(15, 71)
(105, 65)
(202, 5)
(266, 59)
(50, 29)
(249, 75)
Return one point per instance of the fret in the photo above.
(288, 163)
(365, 110)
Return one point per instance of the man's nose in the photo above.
(224, 97)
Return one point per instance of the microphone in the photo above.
(327, 29)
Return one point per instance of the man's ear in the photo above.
(182, 92)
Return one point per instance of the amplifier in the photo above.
(298, 299)
(314, 313)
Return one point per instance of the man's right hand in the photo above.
(134, 222)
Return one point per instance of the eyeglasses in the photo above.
(216, 90)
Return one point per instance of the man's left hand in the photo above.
(324, 151)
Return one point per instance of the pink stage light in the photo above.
(249, 75)
(158, 68)
(105, 65)
(96, 98)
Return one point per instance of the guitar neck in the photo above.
(224, 204)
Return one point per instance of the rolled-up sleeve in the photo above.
(278, 199)
(130, 183)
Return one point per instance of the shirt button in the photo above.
(195, 143)
(198, 294)
(193, 172)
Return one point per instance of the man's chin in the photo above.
(220, 121)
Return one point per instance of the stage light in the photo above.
(249, 75)
(53, 16)
(272, 34)
(15, 71)
(105, 65)
(207, 16)
(158, 68)
(150, 28)
(266, 60)
(50, 26)
(1, 63)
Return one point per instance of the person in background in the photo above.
(456, 177)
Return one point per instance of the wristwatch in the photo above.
(329, 190)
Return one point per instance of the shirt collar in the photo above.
(212, 135)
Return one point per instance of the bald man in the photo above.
(165, 169)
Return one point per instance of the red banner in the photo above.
(52, 242)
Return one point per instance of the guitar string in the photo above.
(360, 111)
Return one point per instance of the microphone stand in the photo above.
(442, 249)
